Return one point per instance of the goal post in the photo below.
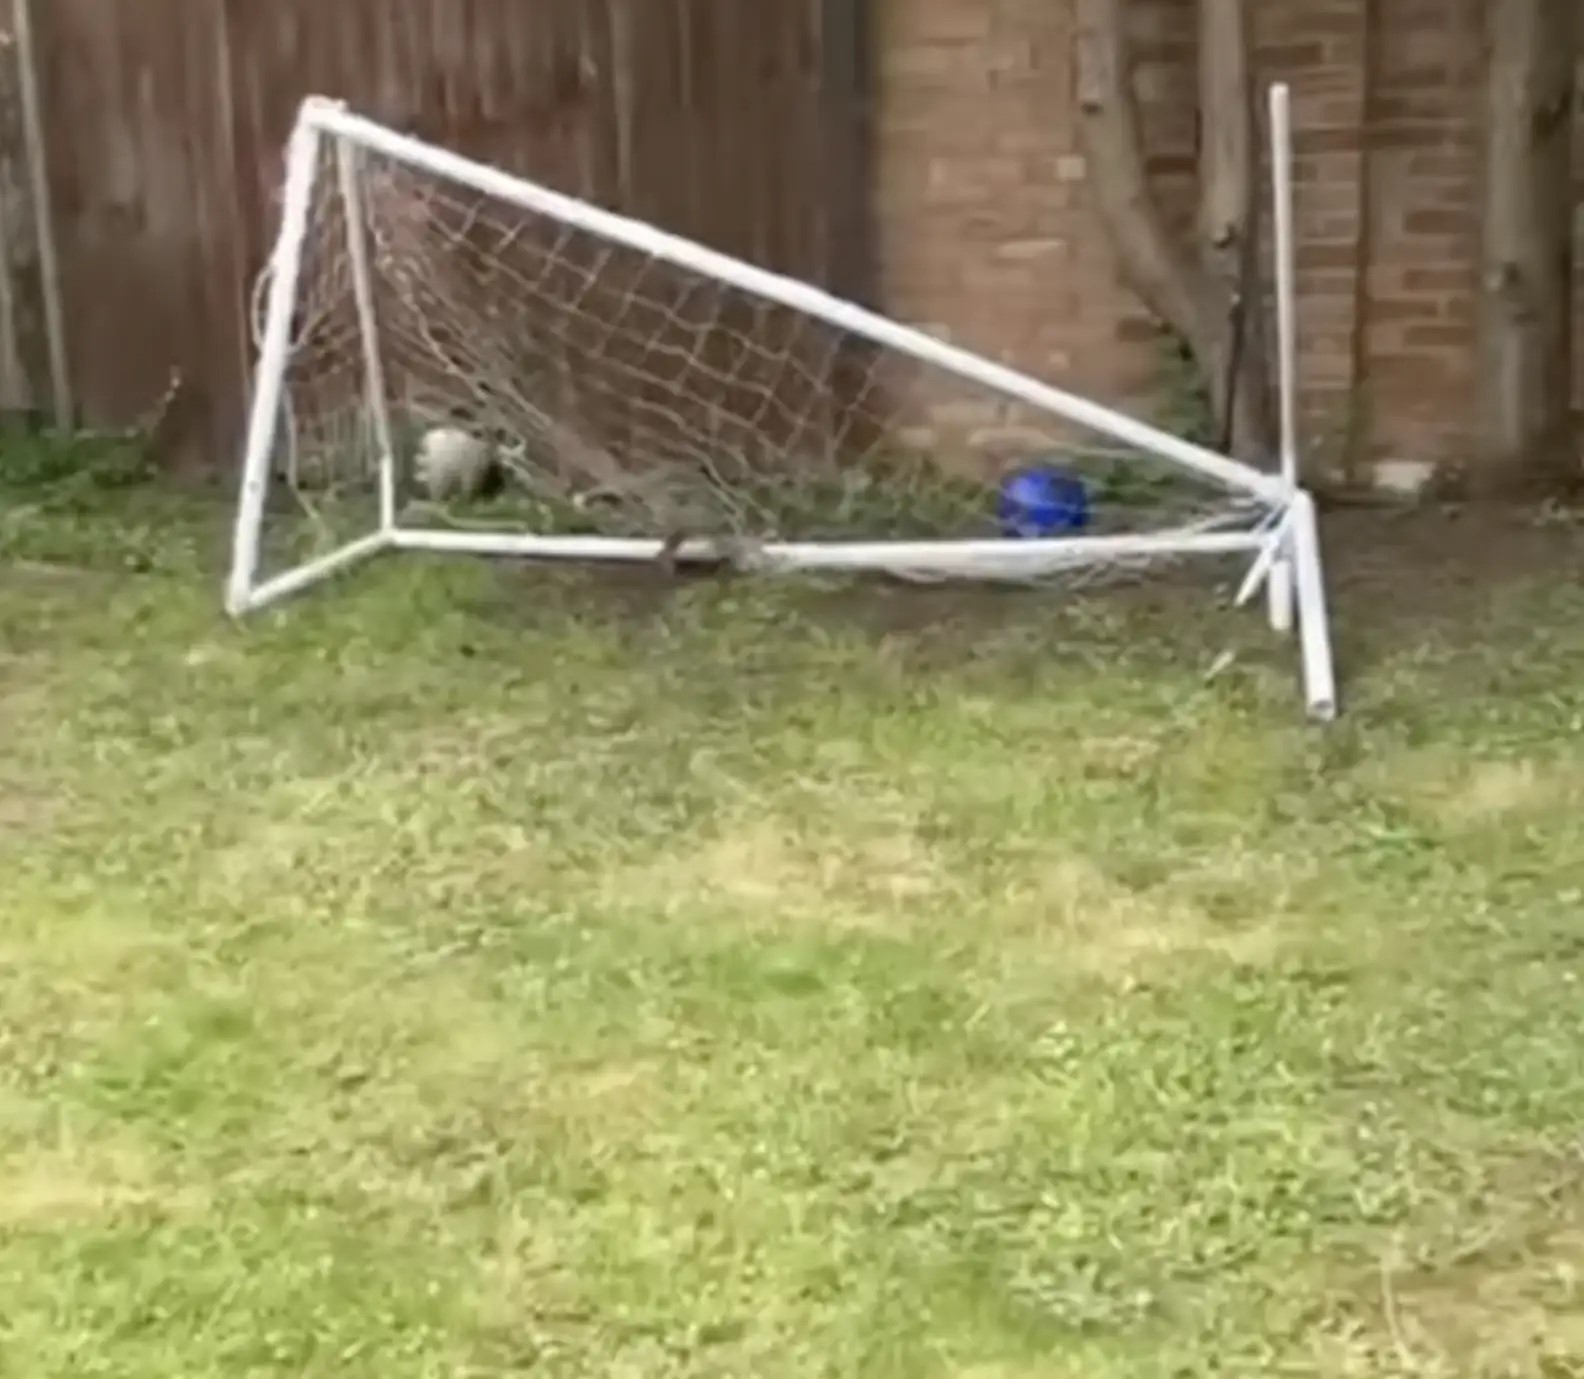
(1280, 582)
(631, 395)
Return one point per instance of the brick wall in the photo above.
(1422, 275)
(985, 234)
(988, 232)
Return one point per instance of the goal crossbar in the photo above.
(1282, 534)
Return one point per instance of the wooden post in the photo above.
(44, 221)
(1525, 300)
(15, 394)
(1229, 225)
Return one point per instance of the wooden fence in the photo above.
(740, 123)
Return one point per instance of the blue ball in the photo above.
(1042, 501)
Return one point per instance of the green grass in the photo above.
(481, 972)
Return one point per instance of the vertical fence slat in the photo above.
(36, 145)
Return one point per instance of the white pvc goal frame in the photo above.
(1284, 546)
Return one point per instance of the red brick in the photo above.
(1295, 55)
(1417, 136)
(1327, 141)
(1403, 309)
(1436, 222)
(1459, 279)
(1311, 256)
(1455, 336)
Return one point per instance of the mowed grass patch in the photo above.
(479, 971)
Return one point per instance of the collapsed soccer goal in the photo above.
(455, 359)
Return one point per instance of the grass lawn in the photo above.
(474, 971)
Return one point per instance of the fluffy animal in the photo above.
(455, 464)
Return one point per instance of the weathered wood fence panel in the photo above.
(165, 122)
(144, 202)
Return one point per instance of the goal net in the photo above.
(452, 358)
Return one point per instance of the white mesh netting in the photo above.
(615, 392)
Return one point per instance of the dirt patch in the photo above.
(1442, 578)
(1396, 577)
(1390, 566)
(1384, 566)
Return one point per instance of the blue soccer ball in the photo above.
(1042, 501)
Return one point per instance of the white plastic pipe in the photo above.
(368, 328)
(1286, 279)
(945, 556)
(302, 163)
(1279, 585)
(313, 572)
(1314, 621)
